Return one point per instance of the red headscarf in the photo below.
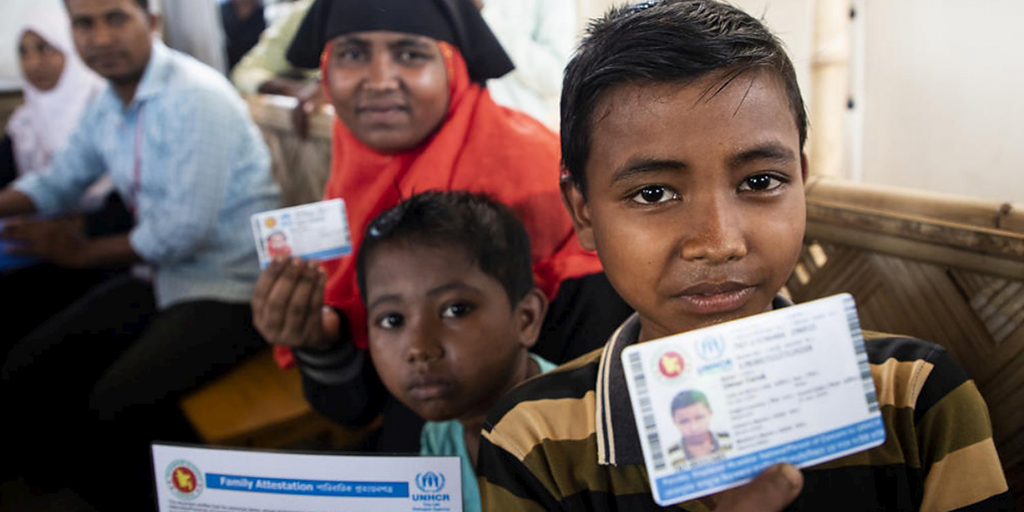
(480, 147)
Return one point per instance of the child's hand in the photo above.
(773, 490)
(287, 305)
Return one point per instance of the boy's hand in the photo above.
(773, 490)
(287, 305)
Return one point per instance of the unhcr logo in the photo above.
(430, 482)
(430, 485)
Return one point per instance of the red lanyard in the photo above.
(136, 163)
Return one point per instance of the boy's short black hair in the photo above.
(664, 41)
(489, 232)
(689, 397)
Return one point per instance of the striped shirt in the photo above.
(567, 440)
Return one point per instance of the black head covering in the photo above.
(457, 22)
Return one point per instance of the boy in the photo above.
(682, 136)
(692, 415)
(452, 310)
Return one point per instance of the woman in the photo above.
(58, 87)
(405, 78)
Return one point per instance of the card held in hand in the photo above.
(316, 231)
(716, 406)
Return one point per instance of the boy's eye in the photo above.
(456, 310)
(761, 183)
(653, 194)
(390, 321)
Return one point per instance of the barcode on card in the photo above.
(646, 411)
(862, 354)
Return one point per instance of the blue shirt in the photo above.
(187, 156)
(446, 438)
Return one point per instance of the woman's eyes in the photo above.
(761, 183)
(654, 194)
(390, 321)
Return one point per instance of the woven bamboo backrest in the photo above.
(942, 268)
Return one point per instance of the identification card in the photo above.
(200, 479)
(716, 406)
(317, 231)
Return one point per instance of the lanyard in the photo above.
(133, 191)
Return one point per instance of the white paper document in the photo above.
(716, 406)
(317, 231)
(201, 479)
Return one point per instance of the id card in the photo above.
(206, 479)
(716, 406)
(317, 231)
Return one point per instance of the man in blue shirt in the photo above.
(180, 147)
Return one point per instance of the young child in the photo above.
(683, 131)
(452, 310)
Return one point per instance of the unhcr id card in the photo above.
(716, 406)
(207, 479)
(317, 231)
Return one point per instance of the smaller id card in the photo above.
(317, 231)
(716, 406)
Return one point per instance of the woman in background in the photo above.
(57, 88)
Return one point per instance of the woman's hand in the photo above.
(287, 305)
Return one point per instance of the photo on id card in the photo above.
(317, 231)
(716, 406)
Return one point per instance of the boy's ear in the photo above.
(530, 316)
(579, 211)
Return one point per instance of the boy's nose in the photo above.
(715, 233)
(424, 346)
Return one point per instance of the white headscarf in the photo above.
(43, 124)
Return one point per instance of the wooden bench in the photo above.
(942, 268)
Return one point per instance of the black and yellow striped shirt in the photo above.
(567, 440)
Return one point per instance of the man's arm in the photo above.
(197, 175)
(13, 202)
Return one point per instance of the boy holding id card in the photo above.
(682, 133)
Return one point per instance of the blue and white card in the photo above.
(194, 478)
(317, 231)
(716, 406)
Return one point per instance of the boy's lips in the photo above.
(713, 298)
(427, 387)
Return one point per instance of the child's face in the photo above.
(41, 63)
(443, 337)
(389, 88)
(695, 203)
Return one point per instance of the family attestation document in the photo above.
(201, 479)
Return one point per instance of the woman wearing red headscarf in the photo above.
(407, 81)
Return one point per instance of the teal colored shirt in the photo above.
(446, 438)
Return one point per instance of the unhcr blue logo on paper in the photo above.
(430, 484)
